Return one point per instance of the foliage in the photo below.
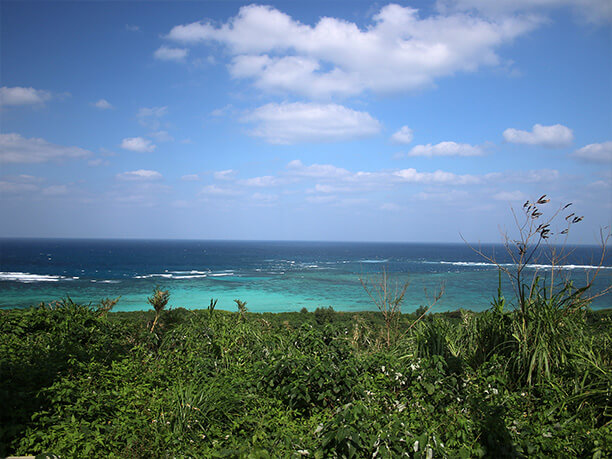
(159, 300)
(80, 383)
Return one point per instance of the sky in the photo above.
(337, 120)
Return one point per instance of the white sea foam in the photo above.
(373, 261)
(30, 278)
(149, 276)
(222, 274)
(192, 276)
(187, 275)
(530, 266)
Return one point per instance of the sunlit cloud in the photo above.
(18, 95)
(555, 136)
(595, 152)
(399, 51)
(138, 144)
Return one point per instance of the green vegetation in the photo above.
(80, 381)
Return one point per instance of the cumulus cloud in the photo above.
(290, 123)
(103, 104)
(165, 53)
(327, 189)
(555, 136)
(22, 96)
(446, 149)
(595, 152)
(403, 136)
(364, 179)
(142, 175)
(411, 175)
(399, 51)
(17, 149)
(297, 168)
(139, 144)
(263, 181)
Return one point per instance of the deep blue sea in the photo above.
(269, 276)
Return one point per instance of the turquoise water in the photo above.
(269, 276)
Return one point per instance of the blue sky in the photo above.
(344, 120)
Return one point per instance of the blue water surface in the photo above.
(272, 276)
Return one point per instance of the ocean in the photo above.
(269, 276)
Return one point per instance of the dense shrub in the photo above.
(80, 382)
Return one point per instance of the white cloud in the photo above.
(190, 178)
(165, 53)
(227, 174)
(595, 152)
(411, 175)
(22, 96)
(403, 136)
(138, 144)
(290, 123)
(590, 10)
(446, 149)
(555, 136)
(139, 175)
(399, 51)
(16, 149)
(510, 196)
(103, 104)
(132, 28)
(327, 189)
(297, 168)
(360, 180)
(263, 181)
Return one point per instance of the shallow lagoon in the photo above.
(269, 276)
